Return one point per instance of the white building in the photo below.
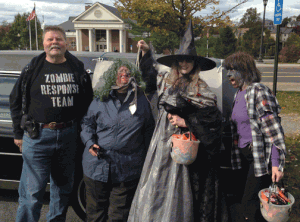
(99, 28)
(293, 23)
(285, 33)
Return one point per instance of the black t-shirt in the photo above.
(54, 94)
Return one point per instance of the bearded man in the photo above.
(47, 104)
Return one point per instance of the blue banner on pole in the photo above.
(278, 12)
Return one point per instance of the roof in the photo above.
(111, 9)
(293, 24)
(68, 26)
(241, 31)
(268, 22)
(283, 30)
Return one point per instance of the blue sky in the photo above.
(55, 12)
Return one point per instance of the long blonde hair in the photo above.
(181, 82)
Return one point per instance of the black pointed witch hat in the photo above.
(187, 50)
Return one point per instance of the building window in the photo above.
(73, 44)
(100, 34)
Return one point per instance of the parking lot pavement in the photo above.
(9, 206)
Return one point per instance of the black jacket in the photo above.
(28, 75)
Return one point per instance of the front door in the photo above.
(101, 46)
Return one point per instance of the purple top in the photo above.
(241, 118)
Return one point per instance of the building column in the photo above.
(78, 40)
(91, 40)
(121, 40)
(124, 40)
(108, 40)
(94, 40)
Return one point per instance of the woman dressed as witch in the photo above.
(168, 191)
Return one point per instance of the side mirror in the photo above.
(90, 72)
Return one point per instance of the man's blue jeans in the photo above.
(50, 157)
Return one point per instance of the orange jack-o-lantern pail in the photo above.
(184, 148)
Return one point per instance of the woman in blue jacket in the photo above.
(116, 132)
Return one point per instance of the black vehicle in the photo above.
(11, 158)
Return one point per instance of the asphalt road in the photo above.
(288, 76)
(16, 60)
(9, 206)
(285, 73)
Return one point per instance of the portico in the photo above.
(100, 29)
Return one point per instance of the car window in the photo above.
(6, 85)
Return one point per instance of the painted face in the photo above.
(235, 78)
(123, 76)
(233, 82)
(185, 66)
(54, 44)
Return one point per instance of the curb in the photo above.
(283, 86)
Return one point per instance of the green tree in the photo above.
(239, 46)
(269, 44)
(18, 35)
(137, 31)
(251, 41)
(203, 44)
(160, 41)
(294, 39)
(296, 30)
(163, 41)
(166, 17)
(285, 21)
(252, 38)
(226, 44)
(289, 54)
(4, 29)
(250, 19)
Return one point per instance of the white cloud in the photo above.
(57, 11)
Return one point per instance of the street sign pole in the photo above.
(277, 22)
(276, 60)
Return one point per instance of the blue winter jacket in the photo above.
(123, 137)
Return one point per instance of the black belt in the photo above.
(55, 126)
